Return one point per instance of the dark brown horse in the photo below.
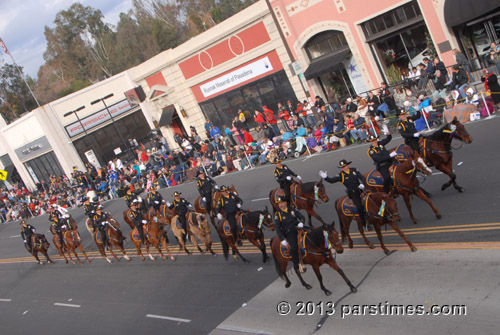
(71, 240)
(114, 236)
(304, 196)
(153, 235)
(227, 240)
(318, 244)
(250, 227)
(201, 208)
(39, 244)
(380, 208)
(405, 182)
(436, 149)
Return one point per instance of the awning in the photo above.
(461, 11)
(166, 116)
(325, 64)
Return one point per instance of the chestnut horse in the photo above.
(318, 244)
(153, 235)
(71, 240)
(202, 209)
(436, 149)
(250, 226)
(39, 244)
(303, 196)
(380, 208)
(114, 236)
(405, 182)
(197, 227)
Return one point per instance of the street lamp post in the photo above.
(81, 124)
(112, 119)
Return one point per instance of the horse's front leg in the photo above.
(362, 232)
(406, 197)
(146, 245)
(316, 215)
(306, 285)
(379, 235)
(320, 279)
(422, 196)
(112, 252)
(35, 254)
(395, 226)
(448, 170)
(83, 252)
(164, 242)
(263, 244)
(333, 264)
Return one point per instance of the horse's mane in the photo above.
(438, 133)
(308, 187)
(253, 216)
(316, 237)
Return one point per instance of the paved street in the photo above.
(457, 263)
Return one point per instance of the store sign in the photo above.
(33, 148)
(97, 118)
(237, 77)
(357, 80)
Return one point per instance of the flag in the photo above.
(2, 44)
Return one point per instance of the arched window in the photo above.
(327, 42)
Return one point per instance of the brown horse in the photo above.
(318, 243)
(250, 226)
(380, 208)
(202, 209)
(71, 240)
(304, 196)
(114, 236)
(39, 244)
(436, 149)
(405, 182)
(197, 228)
(153, 235)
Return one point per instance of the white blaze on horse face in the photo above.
(422, 162)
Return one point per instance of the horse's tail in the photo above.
(277, 264)
(225, 247)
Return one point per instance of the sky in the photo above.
(22, 23)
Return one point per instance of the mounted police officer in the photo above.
(155, 199)
(137, 218)
(406, 128)
(27, 231)
(57, 220)
(99, 221)
(354, 182)
(130, 197)
(382, 158)
(231, 204)
(283, 176)
(287, 220)
(205, 185)
(181, 206)
(89, 207)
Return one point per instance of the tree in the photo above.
(16, 98)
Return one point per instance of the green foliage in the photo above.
(393, 74)
(75, 86)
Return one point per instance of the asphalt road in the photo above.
(197, 293)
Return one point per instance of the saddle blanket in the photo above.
(374, 178)
(348, 207)
(227, 228)
(135, 233)
(285, 251)
(402, 154)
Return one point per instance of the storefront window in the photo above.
(325, 43)
(267, 91)
(44, 166)
(388, 20)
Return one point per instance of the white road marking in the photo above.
(7, 300)
(66, 305)
(437, 173)
(167, 318)
(26, 312)
(260, 199)
(15, 236)
(243, 330)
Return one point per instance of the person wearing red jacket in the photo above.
(259, 117)
(248, 137)
(285, 118)
(269, 114)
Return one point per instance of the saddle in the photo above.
(348, 207)
(239, 225)
(137, 237)
(286, 251)
(402, 154)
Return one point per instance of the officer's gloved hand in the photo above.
(238, 205)
(219, 216)
(299, 177)
(139, 198)
(24, 241)
(144, 221)
(284, 243)
(323, 174)
(203, 199)
(361, 186)
(289, 178)
(169, 203)
(393, 154)
(300, 225)
(216, 187)
(157, 202)
(417, 134)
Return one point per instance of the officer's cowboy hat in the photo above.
(402, 112)
(372, 138)
(224, 188)
(343, 163)
(99, 207)
(280, 199)
(135, 202)
(200, 171)
(276, 160)
(22, 222)
(176, 194)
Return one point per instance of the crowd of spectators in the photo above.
(283, 131)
